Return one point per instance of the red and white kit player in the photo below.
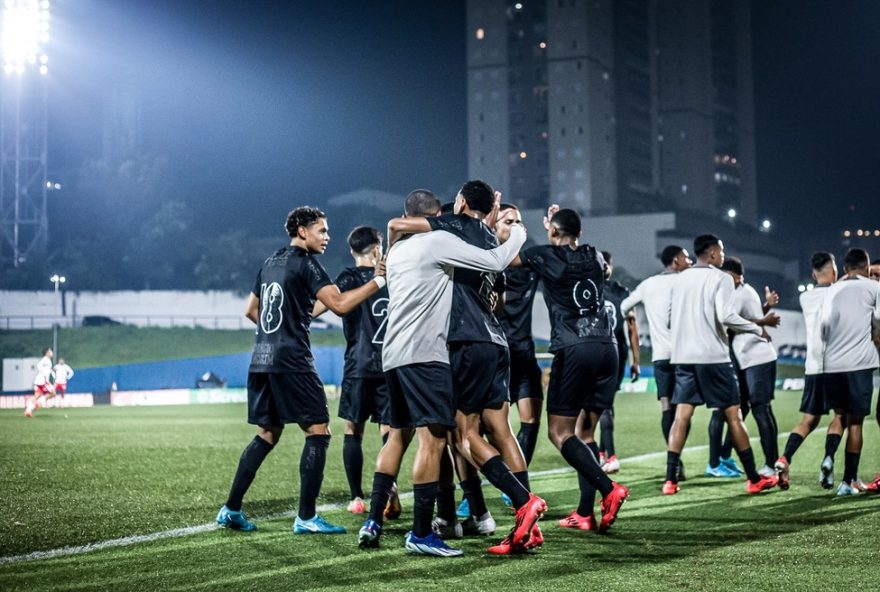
(42, 383)
(63, 374)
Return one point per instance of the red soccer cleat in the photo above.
(670, 488)
(762, 485)
(873, 486)
(611, 504)
(575, 520)
(526, 516)
(506, 547)
(782, 467)
(536, 538)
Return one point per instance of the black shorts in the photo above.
(582, 377)
(813, 400)
(664, 376)
(713, 385)
(278, 399)
(420, 395)
(525, 374)
(363, 399)
(480, 375)
(622, 351)
(850, 391)
(761, 383)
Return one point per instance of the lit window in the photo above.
(481, 33)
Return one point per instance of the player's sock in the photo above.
(424, 496)
(250, 461)
(382, 485)
(832, 443)
(523, 477)
(672, 461)
(850, 466)
(579, 456)
(588, 492)
(794, 442)
(667, 417)
(473, 493)
(499, 475)
(606, 439)
(311, 473)
(747, 458)
(763, 415)
(528, 439)
(446, 503)
(716, 432)
(353, 461)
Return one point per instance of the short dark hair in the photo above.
(820, 259)
(856, 259)
(733, 265)
(364, 238)
(46, 350)
(507, 206)
(703, 242)
(303, 216)
(448, 207)
(607, 256)
(567, 221)
(421, 202)
(669, 253)
(478, 195)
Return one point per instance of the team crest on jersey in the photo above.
(586, 296)
(271, 301)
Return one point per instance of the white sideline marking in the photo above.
(190, 530)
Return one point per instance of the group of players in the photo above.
(49, 382)
(439, 345)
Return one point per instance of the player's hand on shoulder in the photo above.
(551, 211)
(380, 268)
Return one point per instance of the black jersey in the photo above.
(364, 327)
(574, 281)
(287, 286)
(471, 317)
(516, 318)
(615, 293)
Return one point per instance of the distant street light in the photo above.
(731, 213)
(57, 280)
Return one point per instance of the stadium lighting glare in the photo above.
(802, 288)
(765, 225)
(731, 213)
(24, 30)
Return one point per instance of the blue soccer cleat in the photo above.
(315, 525)
(464, 509)
(430, 544)
(721, 470)
(731, 464)
(368, 537)
(505, 499)
(234, 520)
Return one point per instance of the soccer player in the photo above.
(480, 366)
(615, 294)
(874, 486)
(417, 363)
(654, 294)
(283, 385)
(584, 371)
(526, 390)
(42, 383)
(63, 373)
(850, 313)
(700, 309)
(756, 359)
(364, 390)
(813, 401)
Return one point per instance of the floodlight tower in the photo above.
(24, 37)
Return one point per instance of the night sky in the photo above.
(261, 106)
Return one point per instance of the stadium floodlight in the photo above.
(25, 33)
(731, 213)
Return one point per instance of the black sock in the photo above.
(523, 477)
(446, 503)
(727, 446)
(353, 461)
(794, 442)
(250, 461)
(763, 415)
(424, 496)
(716, 431)
(588, 492)
(666, 419)
(747, 457)
(382, 485)
(606, 435)
(528, 439)
(311, 474)
(672, 461)
(499, 475)
(832, 442)
(473, 493)
(850, 466)
(579, 456)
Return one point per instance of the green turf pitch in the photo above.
(72, 477)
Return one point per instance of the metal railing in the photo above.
(31, 322)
